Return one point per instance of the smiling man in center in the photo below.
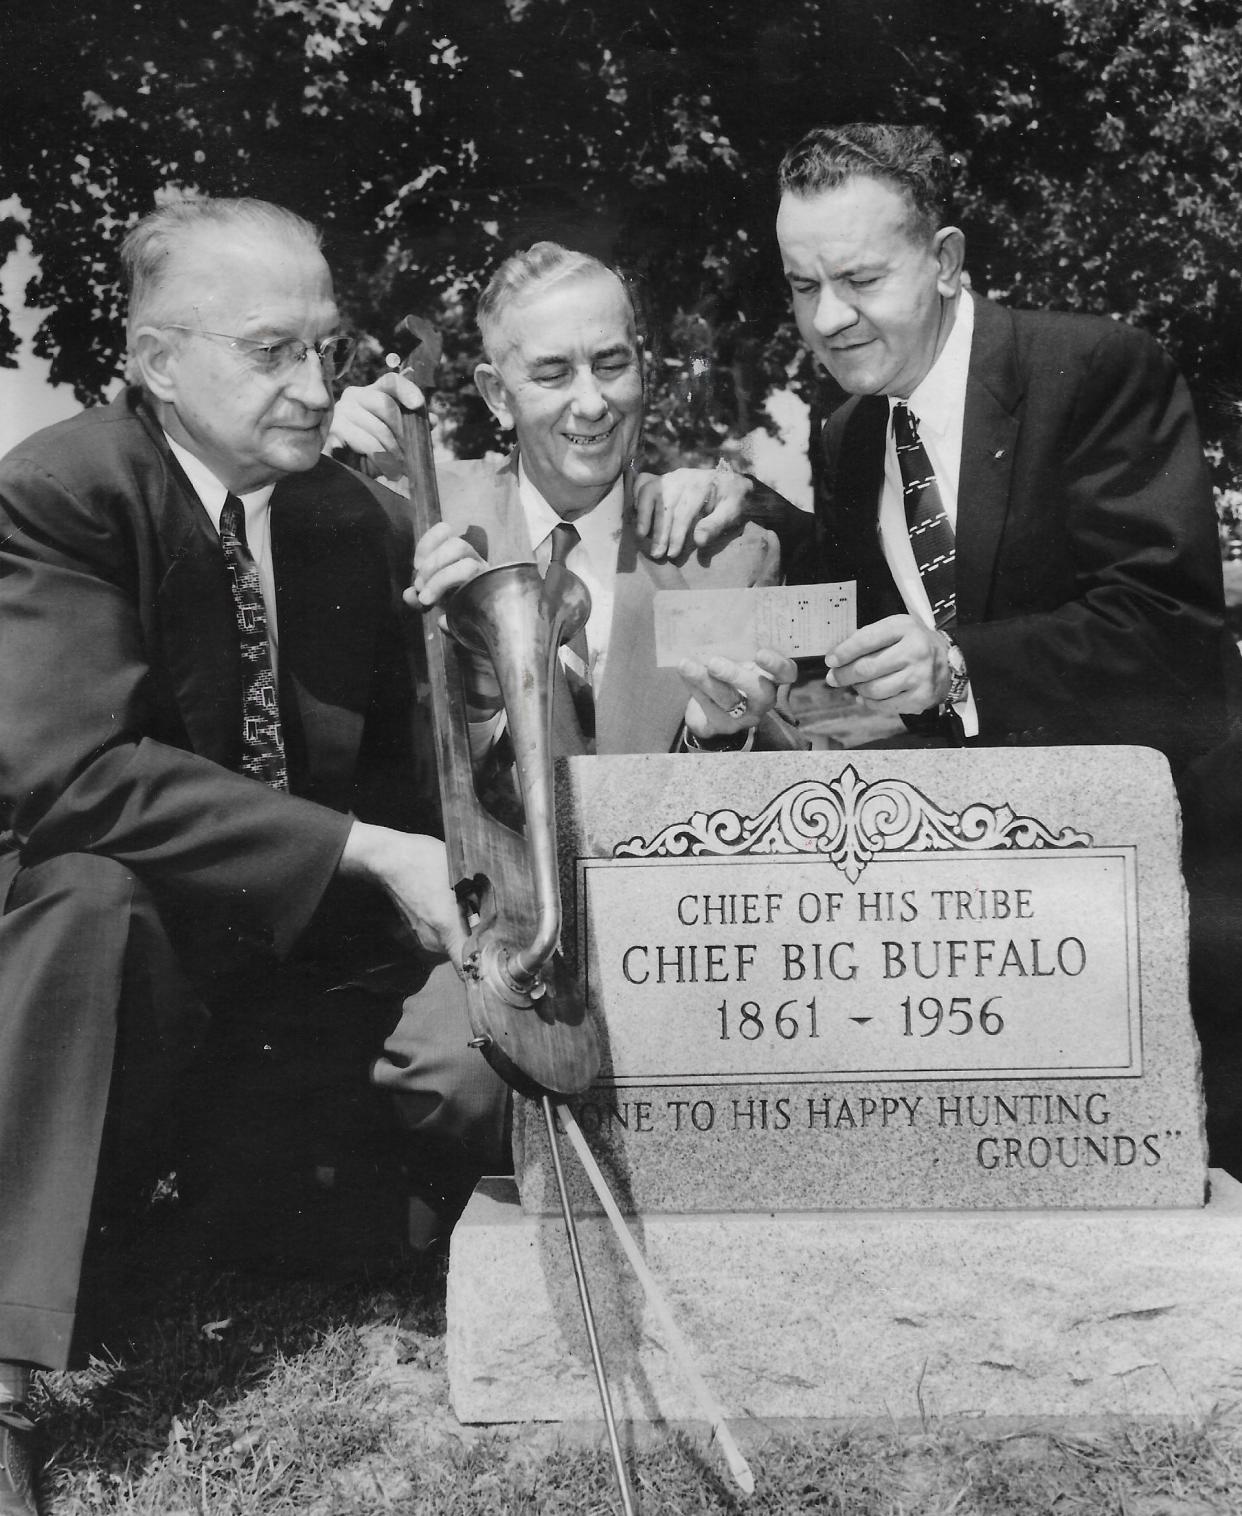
(562, 371)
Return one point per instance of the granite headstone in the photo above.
(879, 979)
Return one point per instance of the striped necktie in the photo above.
(263, 747)
(931, 532)
(577, 664)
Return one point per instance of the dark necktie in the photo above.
(263, 748)
(578, 668)
(931, 532)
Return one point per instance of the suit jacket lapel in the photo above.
(854, 528)
(196, 619)
(332, 591)
(327, 627)
(989, 437)
(640, 706)
(505, 539)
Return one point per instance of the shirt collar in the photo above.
(599, 529)
(941, 395)
(210, 491)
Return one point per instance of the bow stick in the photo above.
(713, 1412)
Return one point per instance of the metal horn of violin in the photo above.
(517, 618)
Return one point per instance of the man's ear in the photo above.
(492, 387)
(152, 362)
(950, 248)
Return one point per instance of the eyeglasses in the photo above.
(276, 360)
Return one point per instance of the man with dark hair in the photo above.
(1021, 496)
(205, 742)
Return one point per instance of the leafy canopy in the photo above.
(431, 137)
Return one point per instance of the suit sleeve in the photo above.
(766, 562)
(795, 531)
(76, 766)
(1123, 554)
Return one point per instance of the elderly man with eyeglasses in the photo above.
(208, 766)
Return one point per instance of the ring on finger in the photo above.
(739, 708)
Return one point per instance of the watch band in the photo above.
(959, 679)
(725, 742)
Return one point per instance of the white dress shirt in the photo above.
(938, 406)
(255, 506)
(593, 558)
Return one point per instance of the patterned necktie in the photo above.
(263, 747)
(931, 532)
(575, 657)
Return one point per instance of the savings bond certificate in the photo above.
(800, 621)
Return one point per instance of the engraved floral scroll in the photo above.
(849, 822)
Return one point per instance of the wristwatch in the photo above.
(959, 679)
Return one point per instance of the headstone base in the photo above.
(899, 1317)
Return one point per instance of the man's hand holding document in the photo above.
(797, 621)
(736, 648)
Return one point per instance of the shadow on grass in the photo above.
(221, 1331)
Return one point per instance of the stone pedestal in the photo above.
(899, 1087)
(855, 1314)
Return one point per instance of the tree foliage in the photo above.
(430, 137)
(1106, 181)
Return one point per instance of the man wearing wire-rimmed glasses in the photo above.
(205, 740)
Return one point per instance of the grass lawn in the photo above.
(298, 1375)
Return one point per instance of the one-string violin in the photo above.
(527, 1017)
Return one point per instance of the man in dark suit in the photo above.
(1020, 496)
(1083, 601)
(205, 738)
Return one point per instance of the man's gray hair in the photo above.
(151, 250)
(911, 158)
(542, 263)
